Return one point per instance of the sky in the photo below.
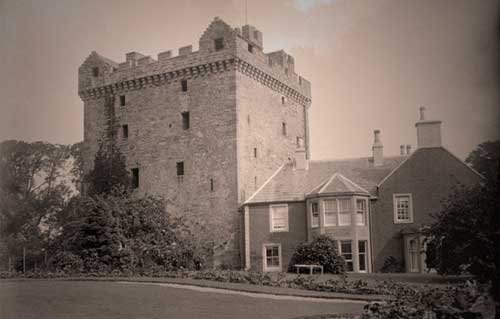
(372, 64)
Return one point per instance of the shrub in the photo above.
(321, 251)
(392, 265)
(67, 262)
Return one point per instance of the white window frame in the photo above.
(313, 225)
(364, 254)
(348, 212)
(325, 212)
(264, 257)
(271, 220)
(365, 212)
(352, 254)
(395, 208)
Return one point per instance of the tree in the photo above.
(109, 172)
(123, 232)
(33, 190)
(462, 240)
(485, 159)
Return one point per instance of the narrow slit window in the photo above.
(250, 48)
(125, 131)
(211, 184)
(283, 128)
(180, 168)
(122, 100)
(95, 71)
(135, 177)
(185, 120)
(255, 152)
(283, 100)
(184, 85)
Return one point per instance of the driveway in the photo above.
(77, 299)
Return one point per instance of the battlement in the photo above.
(219, 42)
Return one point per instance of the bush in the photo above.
(321, 251)
(67, 262)
(392, 265)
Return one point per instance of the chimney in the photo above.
(408, 149)
(300, 161)
(377, 149)
(428, 132)
(401, 150)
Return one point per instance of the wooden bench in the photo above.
(311, 268)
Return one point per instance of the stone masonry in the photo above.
(246, 111)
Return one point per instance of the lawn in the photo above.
(87, 299)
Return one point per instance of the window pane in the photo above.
(279, 217)
(361, 205)
(362, 246)
(272, 256)
(362, 262)
(345, 218)
(344, 205)
(330, 205)
(349, 266)
(345, 246)
(330, 218)
(360, 218)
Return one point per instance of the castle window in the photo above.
(248, 119)
(185, 120)
(250, 48)
(283, 128)
(255, 182)
(219, 44)
(180, 168)
(95, 71)
(211, 184)
(125, 131)
(255, 152)
(283, 100)
(135, 177)
(184, 85)
(403, 208)
(122, 100)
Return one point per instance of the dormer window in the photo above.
(219, 44)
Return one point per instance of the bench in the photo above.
(310, 267)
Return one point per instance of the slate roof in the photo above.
(290, 184)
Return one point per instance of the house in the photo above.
(374, 207)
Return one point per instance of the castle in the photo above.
(204, 129)
(222, 134)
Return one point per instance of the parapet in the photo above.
(252, 35)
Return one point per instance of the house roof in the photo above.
(289, 184)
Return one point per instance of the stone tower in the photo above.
(203, 129)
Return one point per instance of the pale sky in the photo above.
(372, 64)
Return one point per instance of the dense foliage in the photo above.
(462, 240)
(35, 185)
(125, 233)
(321, 251)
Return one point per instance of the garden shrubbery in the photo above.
(321, 251)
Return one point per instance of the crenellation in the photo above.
(221, 85)
(145, 61)
(185, 50)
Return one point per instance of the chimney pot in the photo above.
(422, 113)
